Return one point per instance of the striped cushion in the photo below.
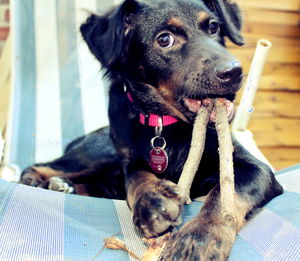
(58, 91)
(37, 224)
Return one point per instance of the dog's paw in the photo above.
(198, 240)
(30, 177)
(61, 185)
(158, 208)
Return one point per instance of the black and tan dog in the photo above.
(163, 58)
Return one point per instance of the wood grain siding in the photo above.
(275, 122)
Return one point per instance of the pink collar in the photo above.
(152, 119)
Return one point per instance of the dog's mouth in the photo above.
(194, 105)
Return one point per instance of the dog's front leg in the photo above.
(211, 234)
(156, 203)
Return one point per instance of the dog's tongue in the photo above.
(194, 106)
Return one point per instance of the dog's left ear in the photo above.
(231, 16)
(105, 35)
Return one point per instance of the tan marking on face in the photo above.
(175, 22)
(202, 16)
(166, 90)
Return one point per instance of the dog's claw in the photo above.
(30, 177)
(61, 185)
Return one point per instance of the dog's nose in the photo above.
(228, 71)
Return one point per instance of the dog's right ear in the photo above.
(105, 35)
(230, 15)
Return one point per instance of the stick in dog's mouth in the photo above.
(194, 106)
(226, 165)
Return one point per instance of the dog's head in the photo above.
(170, 52)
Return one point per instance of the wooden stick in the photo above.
(156, 246)
(191, 166)
(245, 109)
(116, 244)
(197, 146)
(227, 192)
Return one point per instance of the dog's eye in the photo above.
(165, 40)
(213, 27)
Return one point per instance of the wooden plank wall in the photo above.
(275, 122)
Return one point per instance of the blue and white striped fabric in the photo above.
(58, 92)
(42, 225)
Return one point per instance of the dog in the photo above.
(164, 58)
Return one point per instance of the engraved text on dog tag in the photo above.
(158, 160)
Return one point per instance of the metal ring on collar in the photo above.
(156, 138)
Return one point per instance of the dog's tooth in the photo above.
(206, 102)
(229, 107)
(193, 105)
(228, 103)
(213, 116)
